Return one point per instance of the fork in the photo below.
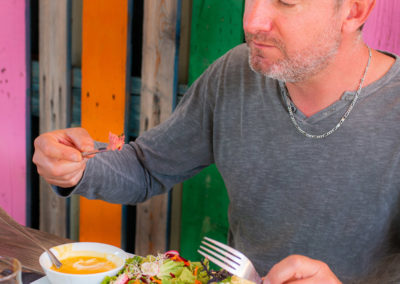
(229, 259)
(24, 232)
(94, 152)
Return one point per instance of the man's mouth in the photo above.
(260, 44)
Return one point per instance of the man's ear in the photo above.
(356, 13)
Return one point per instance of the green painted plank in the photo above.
(204, 211)
(216, 28)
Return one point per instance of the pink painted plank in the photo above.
(382, 29)
(13, 103)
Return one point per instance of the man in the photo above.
(302, 124)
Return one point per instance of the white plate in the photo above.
(42, 280)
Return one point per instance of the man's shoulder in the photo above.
(234, 61)
(391, 78)
(235, 55)
(238, 52)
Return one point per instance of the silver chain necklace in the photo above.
(346, 114)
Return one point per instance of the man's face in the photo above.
(291, 40)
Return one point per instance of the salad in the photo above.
(167, 268)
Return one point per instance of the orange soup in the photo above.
(85, 265)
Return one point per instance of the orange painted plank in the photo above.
(104, 77)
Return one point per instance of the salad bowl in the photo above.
(168, 267)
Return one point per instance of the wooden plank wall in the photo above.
(76, 54)
(158, 92)
(216, 27)
(14, 111)
(382, 30)
(105, 69)
(183, 74)
(55, 97)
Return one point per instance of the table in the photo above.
(16, 245)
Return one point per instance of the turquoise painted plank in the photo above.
(134, 102)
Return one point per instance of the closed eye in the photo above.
(287, 3)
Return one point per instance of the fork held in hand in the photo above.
(94, 152)
(229, 259)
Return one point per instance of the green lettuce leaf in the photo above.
(168, 267)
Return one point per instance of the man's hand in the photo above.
(58, 155)
(298, 269)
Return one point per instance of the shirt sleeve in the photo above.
(165, 155)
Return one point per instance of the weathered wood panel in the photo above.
(159, 83)
(104, 92)
(216, 27)
(183, 74)
(382, 29)
(184, 41)
(14, 244)
(54, 98)
(76, 33)
(13, 108)
(76, 54)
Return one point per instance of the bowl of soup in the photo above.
(83, 263)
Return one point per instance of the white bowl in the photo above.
(117, 255)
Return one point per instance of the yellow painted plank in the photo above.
(104, 73)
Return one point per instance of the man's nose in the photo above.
(258, 16)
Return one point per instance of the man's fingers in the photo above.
(67, 180)
(56, 168)
(66, 144)
(81, 139)
(294, 267)
(298, 269)
(58, 156)
(50, 147)
(61, 170)
(65, 183)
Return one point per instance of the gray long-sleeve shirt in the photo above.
(334, 199)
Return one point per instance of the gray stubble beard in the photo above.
(304, 64)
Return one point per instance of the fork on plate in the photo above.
(229, 259)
